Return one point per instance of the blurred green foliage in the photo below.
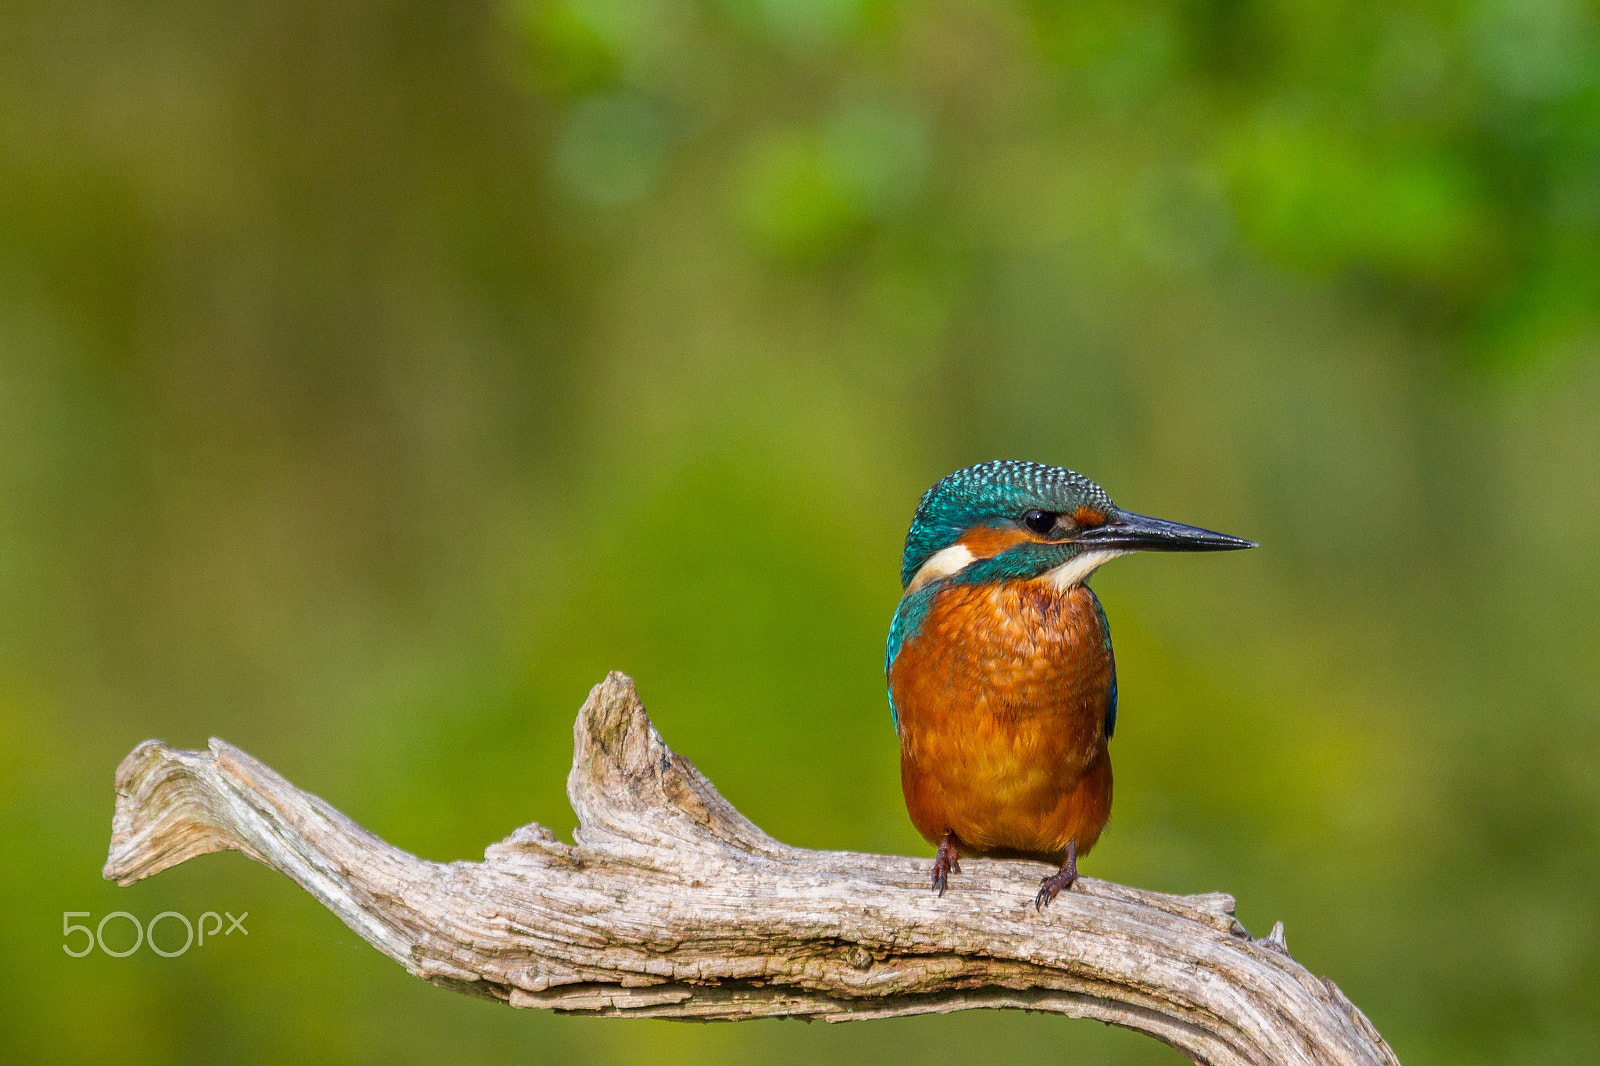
(375, 376)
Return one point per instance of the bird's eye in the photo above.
(1040, 522)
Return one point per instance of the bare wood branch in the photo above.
(671, 904)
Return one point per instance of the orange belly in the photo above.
(1001, 699)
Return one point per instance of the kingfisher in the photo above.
(1002, 682)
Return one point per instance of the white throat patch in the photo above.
(956, 558)
(943, 563)
(1076, 571)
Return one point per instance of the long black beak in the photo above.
(1137, 532)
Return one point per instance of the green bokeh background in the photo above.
(375, 376)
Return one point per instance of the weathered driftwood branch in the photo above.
(672, 904)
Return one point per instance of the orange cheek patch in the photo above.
(1088, 516)
(987, 540)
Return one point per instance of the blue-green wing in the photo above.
(1111, 703)
(907, 621)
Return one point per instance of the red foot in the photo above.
(945, 862)
(1056, 883)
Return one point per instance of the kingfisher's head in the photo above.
(1009, 519)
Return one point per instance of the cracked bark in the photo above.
(671, 904)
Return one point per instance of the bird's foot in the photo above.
(1056, 883)
(945, 863)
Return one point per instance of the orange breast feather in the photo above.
(1001, 697)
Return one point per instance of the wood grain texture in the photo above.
(671, 904)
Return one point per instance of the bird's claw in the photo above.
(945, 863)
(1058, 882)
(1052, 886)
